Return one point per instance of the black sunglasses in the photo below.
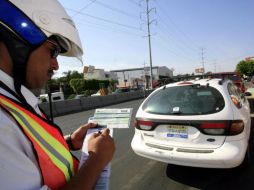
(54, 52)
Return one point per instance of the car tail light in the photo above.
(223, 128)
(214, 128)
(236, 127)
(144, 125)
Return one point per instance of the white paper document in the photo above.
(106, 118)
(103, 181)
(113, 118)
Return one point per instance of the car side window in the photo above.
(232, 90)
(234, 94)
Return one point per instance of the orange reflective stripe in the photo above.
(45, 137)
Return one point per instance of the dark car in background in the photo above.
(233, 76)
(121, 90)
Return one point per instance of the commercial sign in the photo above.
(199, 70)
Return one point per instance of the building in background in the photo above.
(91, 73)
(249, 58)
(140, 77)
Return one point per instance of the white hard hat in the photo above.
(52, 19)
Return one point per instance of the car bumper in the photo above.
(229, 155)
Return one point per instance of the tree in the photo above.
(64, 81)
(245, 67)
(77, 85)
(72, 75)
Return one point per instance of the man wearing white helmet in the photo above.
(33, 152)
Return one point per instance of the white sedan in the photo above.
(202, 123)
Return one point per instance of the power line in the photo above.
(134, 2)
(115, 9)
(106, 20)
(180, 46)
(183, 42)
(196, 46)
(109, 28)
(181, 55)
(177, 28)
(83, 8)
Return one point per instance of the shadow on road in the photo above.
(201, 178)
(211, 179)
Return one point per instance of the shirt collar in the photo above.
(28, 95)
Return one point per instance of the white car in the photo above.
(98, 93)
(202, 123)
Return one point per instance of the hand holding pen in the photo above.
(102, 146)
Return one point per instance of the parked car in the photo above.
(121, 90)
(234, 76)
(55, 96)
(98, 93)
(201, 123)
(135, 89)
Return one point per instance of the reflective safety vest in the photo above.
(56, 163)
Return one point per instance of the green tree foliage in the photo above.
(72, 75)
(73, 83)
(245, 67)
(80, 85)
(77, 85)
(64, 81)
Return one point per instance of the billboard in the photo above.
(199, 70)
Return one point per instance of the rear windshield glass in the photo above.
(185, 100)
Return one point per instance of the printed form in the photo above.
(106, 118)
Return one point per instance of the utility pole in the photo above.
(124, 80)
(203, 62)
(215, 63)
(144, 81)
(149, 39)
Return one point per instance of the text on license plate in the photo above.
(177, 131)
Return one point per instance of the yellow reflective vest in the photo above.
(56, 163)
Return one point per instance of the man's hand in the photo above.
(102, 147)
(77, 137)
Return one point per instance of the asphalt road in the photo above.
(132, 172)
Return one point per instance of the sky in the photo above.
(114, 34)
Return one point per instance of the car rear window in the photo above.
(185, 100)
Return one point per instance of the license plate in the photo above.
(177, 131)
